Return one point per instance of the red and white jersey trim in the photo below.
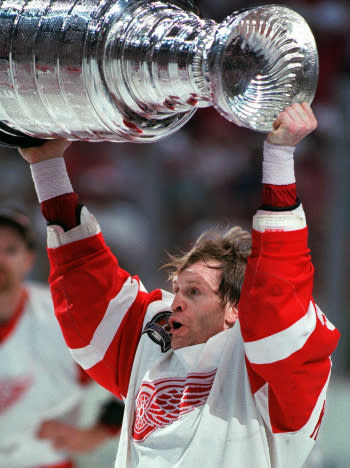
(279, 221)
(311, 426)
(323, 319)
(160, 305)
(94, 352)
(56, 236)
(284, 343)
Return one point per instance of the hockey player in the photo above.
(213, 375)
(41, 387)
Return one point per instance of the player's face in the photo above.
(197, 312)
(15, 259)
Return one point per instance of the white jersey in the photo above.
(252, 396)
(38, 381)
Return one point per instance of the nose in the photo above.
(178, 304)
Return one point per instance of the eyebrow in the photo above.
(189, 281)
(194, 282)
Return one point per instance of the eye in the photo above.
(194, 291)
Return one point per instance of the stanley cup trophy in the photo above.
(137, 70)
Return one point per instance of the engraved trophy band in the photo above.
(137, 70)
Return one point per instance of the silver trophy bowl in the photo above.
(137, 70)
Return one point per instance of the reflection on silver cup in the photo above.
(136, 70)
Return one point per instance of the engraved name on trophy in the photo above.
(135, 70)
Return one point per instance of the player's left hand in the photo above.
(292, 125)
(49, 150)
(73, 439)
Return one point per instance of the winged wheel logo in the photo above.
(161, 402)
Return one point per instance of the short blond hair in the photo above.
(230, 249)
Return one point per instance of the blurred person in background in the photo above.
(41, 387)
(212, 375)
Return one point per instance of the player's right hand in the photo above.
(49, 150)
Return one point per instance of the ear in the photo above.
(231, 315)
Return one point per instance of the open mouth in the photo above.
(175, 324)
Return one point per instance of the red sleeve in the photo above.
(279, 196)
(61, 210)
(288, 341)
(100, 308)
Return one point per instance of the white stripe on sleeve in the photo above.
(283, 344)
(279, 220)
(93, 353)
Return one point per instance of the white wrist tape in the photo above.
(50, 178)
(278, 164)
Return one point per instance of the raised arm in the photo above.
(288, 341)
(100, 307)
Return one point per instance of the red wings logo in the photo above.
(12, 389)
(160, 403)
